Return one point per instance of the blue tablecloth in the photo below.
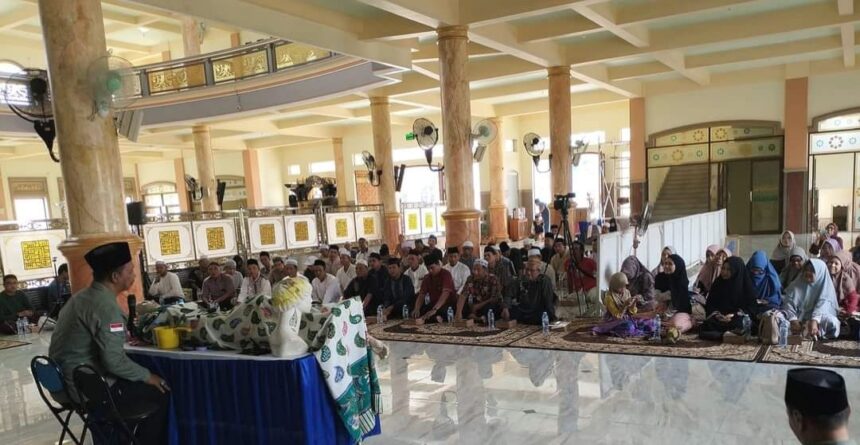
(247, 401)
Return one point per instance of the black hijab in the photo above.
(732, 295)
(677, 283)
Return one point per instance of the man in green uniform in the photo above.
(817, 406)
(13, 304)
(91, 330)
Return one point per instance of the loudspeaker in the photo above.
(136, 212)
(222, 187)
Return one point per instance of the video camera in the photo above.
(562, 202)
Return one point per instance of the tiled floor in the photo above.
(478, 395)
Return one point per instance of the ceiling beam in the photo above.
(757, 53)
(285, 124)
(36, 33)
(429, 52)
(432, 14)
(599, 75)
(657, 10)
(534, 106)
(503, 37)
(845, 7)
(556, 28)
(393, 28)
(277, 141)
(604, 15)
(20, 15)
(848, 45)
(487, 12)
(676, 61)
(633, 71)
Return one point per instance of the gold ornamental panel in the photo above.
(293, 54)
(36, 254)
(169, 242)
(369, 225)
(302, 231)
(215, 238)
(267, 234)
(241, 66)
(174, 79)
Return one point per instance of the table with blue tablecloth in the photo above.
(229, 398)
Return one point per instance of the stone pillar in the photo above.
(638, 173)
(461, 217)
(339, 170)
(92, 172)
(498, 214)
(253, 192)
(205, 167)
(559, 133)
(235, 40)
(380, 117)
(181, 189)
(796, 155)
(190, 37)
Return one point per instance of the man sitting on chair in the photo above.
(91, 331)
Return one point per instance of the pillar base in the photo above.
(80, 273)
(498, 217)
(391, 231)
(462, 225)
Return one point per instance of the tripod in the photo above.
(563, 230)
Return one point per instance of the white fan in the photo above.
(576, 150)
(535, 146)
(484, 133)
(115, 84)
(373, 173)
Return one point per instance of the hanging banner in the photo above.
(340, 227)
(368, 225)
(267, 233)
(168, 242)
(301, 231)
(30, 255)
(215, 238)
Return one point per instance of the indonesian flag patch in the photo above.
(116, 327)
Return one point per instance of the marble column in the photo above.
(339, 170)
(253, 191)
(498, 213)
(380, 117)
(190, 36)
(559, 133)
(205, 167)
(461, 217)
(92, 172)
(796, 155)
(638, 173)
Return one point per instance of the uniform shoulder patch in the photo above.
(116, 327)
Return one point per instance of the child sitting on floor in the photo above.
(620, 319)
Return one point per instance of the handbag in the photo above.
(768, 327)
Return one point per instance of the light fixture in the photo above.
(143, 29)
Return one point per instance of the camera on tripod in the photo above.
(562, 202)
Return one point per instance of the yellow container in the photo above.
(166, 337)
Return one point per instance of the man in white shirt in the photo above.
(416, 270)
(255, 283)
(291, 267)
(347, 270)
(459, 271)
(326, 288)
(468, 257)
(166, 286)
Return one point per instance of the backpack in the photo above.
(768, 327)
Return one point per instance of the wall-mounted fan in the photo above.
(373, 173)
(535, 146)
(28, 95)
(427, 135)
(399, 173)
(115, 85)
(193, 187)
(576, 150)
(483, 134)
(641, 225)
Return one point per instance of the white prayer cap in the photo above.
(468, 244)
(481, 262)
(343, 251)
(323, 246)
(528, 242)
(291, 262)
(309, 261)
(362, 262)
(534, 252)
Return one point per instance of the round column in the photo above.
(498, 213)
(339, 170)
(205, 167)
(559, 133)
(461, 217)
(190, 37)
(90, 161)
(380, 117)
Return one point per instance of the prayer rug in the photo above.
(829, 353)
(7, 344)
(578, 338)
(478, 335)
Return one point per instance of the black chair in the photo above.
(49, 376)
(104, 418)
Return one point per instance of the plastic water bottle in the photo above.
(427, 299)
(25, 325)
(405, 312)
(471, 300)
(783, 332)
(450, 315)
(657, 328)
(491, 319)
(747, 326)
(20, 327)
(544, 323)
(380, 315)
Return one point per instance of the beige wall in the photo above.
(832, 93)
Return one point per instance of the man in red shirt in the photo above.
(437, 292)
(582, 278)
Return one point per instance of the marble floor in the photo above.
(444, 394)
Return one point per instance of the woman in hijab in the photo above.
(765, 280)
(709, 271)
(793, 269)
(831, 231)
(668, 250)
(846, 280)
(674, 285)
(731, 296)
(782, 251)
(640, 282)
(828, 249)
(810, 302)
(620, 319)
(855, 251)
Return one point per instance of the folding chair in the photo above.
(103, 416)
(49, 376)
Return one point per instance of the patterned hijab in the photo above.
(767, 285)
(782, 252)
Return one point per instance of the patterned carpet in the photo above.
(841, 353)
(445, 333)
(6, 344)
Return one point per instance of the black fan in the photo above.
(427, 135)
(399, 173)
(374, 173)
(28, 95)
(194, 188)
(534, 146)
